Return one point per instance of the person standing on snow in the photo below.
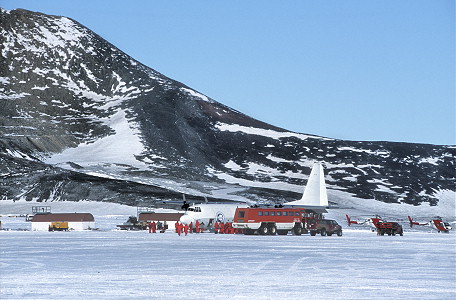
(221, 228)
(154, 227)
(177, 226)
(186, 229)
(229, 228)
(201, 227)
(197, 226)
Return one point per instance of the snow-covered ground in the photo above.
(114, 264)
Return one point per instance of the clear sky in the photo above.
(346, 69)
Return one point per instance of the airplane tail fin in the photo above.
(315, 193)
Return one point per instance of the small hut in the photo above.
(63, 221)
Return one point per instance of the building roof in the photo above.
(160, 216)
(64, 217)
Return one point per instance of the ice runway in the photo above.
(131, 265)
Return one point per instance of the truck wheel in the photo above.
(263, 230)
(313, 233)
(297, 230)
(323, 232)
(339, 233)
(272, 230)
(329, 233)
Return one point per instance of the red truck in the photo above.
(272, 221)
(324, 227)
(390, 228)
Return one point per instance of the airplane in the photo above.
(436, 223)
(314, 197)
(370, 222)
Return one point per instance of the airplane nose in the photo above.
(186, 219)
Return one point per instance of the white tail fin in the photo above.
(315, 192)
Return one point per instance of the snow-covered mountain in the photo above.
(81, 120)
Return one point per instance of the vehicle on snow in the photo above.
(390, 228)
(273, 220)
(133, 224)
(59, 226)
(324, 227)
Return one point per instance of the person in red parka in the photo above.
(230, 228)
(216, 227)
(150, 227)
(186, 229)
(154, 227)
(221, 228)
(178, 227)
(197, 226)
(190, 227)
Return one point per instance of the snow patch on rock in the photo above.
(119, 148)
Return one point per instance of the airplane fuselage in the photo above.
(209, 213)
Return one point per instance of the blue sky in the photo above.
(353, 69)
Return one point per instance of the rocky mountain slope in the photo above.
(81, 120)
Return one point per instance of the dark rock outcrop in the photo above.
(80, 119)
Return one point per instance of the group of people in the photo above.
(224, 228)
(188, 228)
(181, 228)
(161, 227)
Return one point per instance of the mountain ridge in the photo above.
(75, 103)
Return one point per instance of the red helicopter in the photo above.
(378, 224)
(370, 222)
(436, 223)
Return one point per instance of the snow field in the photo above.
(111, 264)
